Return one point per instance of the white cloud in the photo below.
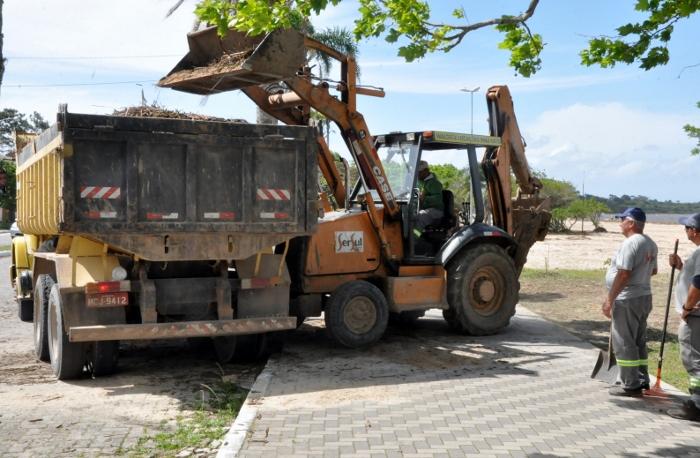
(615, 149)
(96, 29)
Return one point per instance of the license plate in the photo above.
(108, 300)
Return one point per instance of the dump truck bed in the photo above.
(168, 189)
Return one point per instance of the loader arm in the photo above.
(236, 61)
(291, 113)
(526, 216)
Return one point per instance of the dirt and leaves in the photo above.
(573, 298)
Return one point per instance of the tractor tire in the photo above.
(482, 290)
(67, 358)
(26, 310)
(42, 290)
(103, 358)
(356, 314)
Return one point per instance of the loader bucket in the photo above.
(217, 64)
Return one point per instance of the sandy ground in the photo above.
(593, 250)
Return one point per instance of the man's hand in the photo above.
(675, 261)
(607, 308)
(685, 313)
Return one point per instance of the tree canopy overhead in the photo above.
(410, 24)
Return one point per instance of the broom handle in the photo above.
(668, 305)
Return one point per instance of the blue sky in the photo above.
(615, 131)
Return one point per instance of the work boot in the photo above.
(688, 411)
(621, 391)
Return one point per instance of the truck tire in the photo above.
(42, 290)
(103, 358)
(67, 358)
(407, 318)
(482, 290)
(26, 309)
(224, 348)
(356, 314)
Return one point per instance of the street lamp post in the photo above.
(471, 93)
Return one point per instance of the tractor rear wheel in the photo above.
(356, 314)
(482, 290)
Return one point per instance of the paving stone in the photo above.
(529, 395)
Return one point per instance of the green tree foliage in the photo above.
(8, 191)
(618, 203)
(645, 42)
(454, 179)
(12, 120)
(406, 22)
(560, 193)
(410, 23)
(693, 132)
(590, 209)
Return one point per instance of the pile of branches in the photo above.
(154, 111)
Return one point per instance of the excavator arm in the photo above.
(525, 216)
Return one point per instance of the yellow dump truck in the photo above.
(151, 228)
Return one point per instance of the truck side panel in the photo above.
(118, 178)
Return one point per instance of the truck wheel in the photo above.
(26, 310)
(42, 290)
(67, 358)
(406, 319)
(356, 314)
(103, 358)
(482, 290)
(224, 348)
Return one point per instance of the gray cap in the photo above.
(691, 221)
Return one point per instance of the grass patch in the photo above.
(5, 247)
(563, 274)
(214, 412)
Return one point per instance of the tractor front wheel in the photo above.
(356, 314)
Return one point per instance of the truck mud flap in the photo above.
(179, 330)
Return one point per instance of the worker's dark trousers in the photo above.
(629, 338)
(689, 339)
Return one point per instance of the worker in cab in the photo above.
(431, 207)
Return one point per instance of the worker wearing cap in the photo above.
(688, 305)
(432, 206)
(628, 302)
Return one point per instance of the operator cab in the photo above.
(452, 157)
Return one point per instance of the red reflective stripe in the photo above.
(110, 192)
(92, 193)
(227, 215)
(154, 216)
(281, 215)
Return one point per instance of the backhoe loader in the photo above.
(364, 262)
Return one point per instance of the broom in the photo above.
(656, 390)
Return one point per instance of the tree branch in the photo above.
(464, 30)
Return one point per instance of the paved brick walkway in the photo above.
(426, 392)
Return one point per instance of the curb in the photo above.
(4, 254)
(236, 435)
